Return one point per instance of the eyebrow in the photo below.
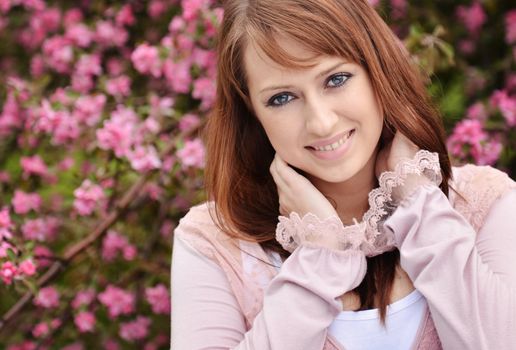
(324, 72)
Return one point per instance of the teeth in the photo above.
(334, 145)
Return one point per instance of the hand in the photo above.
(297, 194)
(399, 149)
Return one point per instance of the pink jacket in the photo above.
(459, 252)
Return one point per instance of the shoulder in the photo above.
(474, 189)
(199, 229)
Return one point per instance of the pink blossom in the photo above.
(27, 267)
(58, 53)
(37, 66)
(488, 153)
(166, 228)
(470, 131)
(146, 60)
(33, 166)
(41, 229)
(178, 75)
(85, 321)
(113, 243)
(189, 122)
(26, 345)
(48, 297)
(5, 219)
(88, 197)
(111, 344)
(83, 298)
(159, 298)
(4, 248)
(467, 46)
(72, 16)
(108, 34)
(472, 17)
(153, 190)
(399, 8)
(125, 16)
(129, 252)
(118, 133)
(506, 104)
(40, 330)
(88, 65)
(43, 255)
(135, 330)
(79, 34)
(118, 301)
(374, 3)
(8, 271)
(510, 27)
(5, 177)
(185, 43)
(203, 58)
(67, 130)
(5, 5)
(11, 116)
(477, 111)
(49, 19)
(144, 158)
(177, 24)
(82, 83)
(204, 89)
(192, 154)
(88, 109)
(119, 86)
(156, 8)
(73, 346)
(160, 106)
(191, 8)
(115, 66)
(24, 202)
(36, 5)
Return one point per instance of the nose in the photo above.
(320, 117)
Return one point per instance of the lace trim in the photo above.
(367, 235)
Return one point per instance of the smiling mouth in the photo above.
(335, 145)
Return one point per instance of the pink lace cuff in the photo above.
(367, 235)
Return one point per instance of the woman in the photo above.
(321, 120)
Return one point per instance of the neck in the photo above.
(351, 196)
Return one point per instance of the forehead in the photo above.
(258, 65)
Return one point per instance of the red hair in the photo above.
(238, 152)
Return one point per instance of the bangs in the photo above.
(319, 30)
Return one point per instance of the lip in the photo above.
(329, 141)
(336, 153)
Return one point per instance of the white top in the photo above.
(362, 330)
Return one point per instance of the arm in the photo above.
(469, 280)
(299, 304)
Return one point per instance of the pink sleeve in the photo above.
(468, 279)
(299, 303)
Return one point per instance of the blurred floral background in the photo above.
(101, 103)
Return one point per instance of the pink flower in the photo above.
(472, 17)
(40, 330)
(8, 271)
(88, 109)
(178, 75)
(119, 87)
(125, 16)
(88, 65)
(113, 243)
(79, 34)
(37, 66)
(83, 298)
(488, 153)
(204, 89)
(192, 154)
(5, 5)
(177, 24)
(11, 117)
(85, 321)
(116, 135)
(144, 158)
(135, 330)
(399, 8)
(41, 229)
(5, 219)
(72, 16)
(374, 3)
(506, 104)
(159, 298)
(33, 166)
(114, 66)
(26, 345)
(43, 255)
(88, 197)
(25, 202)
(118, 301)
(108, 34)
(48, 297)
(156, 8)
(82, 83)
(510, 27)
(27, 267)
(4, 247)
(189, 122)
(191, 8)
(146, 60)
(58, 53)
(477, 111)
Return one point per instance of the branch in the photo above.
(80, 246)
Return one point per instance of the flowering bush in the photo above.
(100, 109)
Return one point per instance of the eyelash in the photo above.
(346, 76)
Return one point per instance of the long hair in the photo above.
(239, 153)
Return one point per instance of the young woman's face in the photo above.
(324, 120)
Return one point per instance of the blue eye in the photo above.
(279, 100)
(337, 80)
